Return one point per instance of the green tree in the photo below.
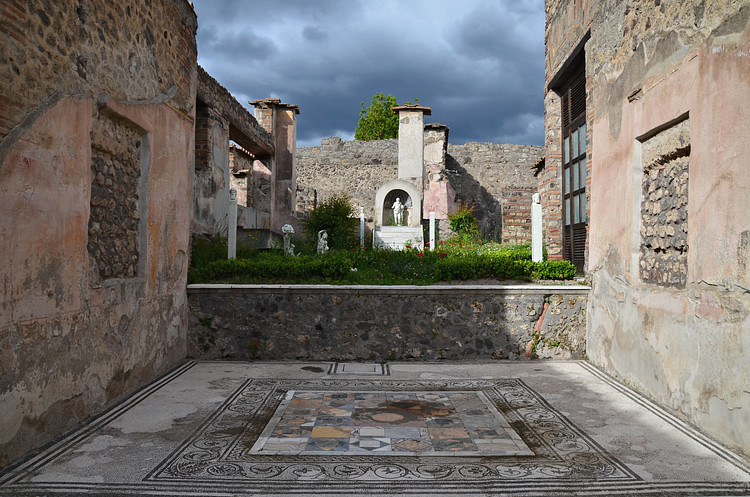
(378, 122)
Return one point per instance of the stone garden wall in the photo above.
(497, 179)
(380, 323)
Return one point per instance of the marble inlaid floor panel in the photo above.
(389, 423)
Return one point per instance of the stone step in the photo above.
(397, 237)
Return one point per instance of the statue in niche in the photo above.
(322, 242)
(288, 231)
(398, 212)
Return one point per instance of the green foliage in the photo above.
(384, 267)
(378, 122)
(334, 216)
(554, 270)
(206, 249)
(463, 223)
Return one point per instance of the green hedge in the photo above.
(379, 267)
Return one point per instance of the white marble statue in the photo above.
(398, 212)
(322, 242)
(288, 231)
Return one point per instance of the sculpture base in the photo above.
(398, 237)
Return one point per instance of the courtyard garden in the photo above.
(464, 256)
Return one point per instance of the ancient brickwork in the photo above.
(132, 51)
(549, 178)
(241, 174)
(243, 128)
(204, 120)
(478, 172)
(115, 193)
(416, 323)
(664, 206)
(517, 214)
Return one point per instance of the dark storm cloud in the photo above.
(314, 33)
(479, 65)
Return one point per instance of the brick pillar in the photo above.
(280, 120)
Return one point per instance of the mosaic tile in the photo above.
(425, 423)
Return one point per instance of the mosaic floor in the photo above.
(292, 430)
(238, 429)
(396, 423)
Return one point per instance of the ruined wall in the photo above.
(487, 174)
(479, 173)
(356, 168)
(324, 323)
(96, 140)
(211, 182)
(669, 310)
(241, 171)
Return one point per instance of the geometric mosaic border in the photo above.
(565, 462)
(355, 368)
(220, 449)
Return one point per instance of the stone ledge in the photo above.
(533, 289)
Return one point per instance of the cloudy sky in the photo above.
(478, 64)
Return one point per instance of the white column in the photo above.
(232, 228)
(432, 231)
(362, 227)
(536, 228)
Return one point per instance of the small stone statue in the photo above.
(322, 242)
(398, 212)
(288, 231)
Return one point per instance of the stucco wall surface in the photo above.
(80, 329)
(679, 69)
(322, 323)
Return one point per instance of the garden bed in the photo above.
(451, 262)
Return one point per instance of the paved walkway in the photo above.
(501, 428)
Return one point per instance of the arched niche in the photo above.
(387, 194)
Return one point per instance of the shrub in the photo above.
(334, 216)
(463, 223)
(554, 270)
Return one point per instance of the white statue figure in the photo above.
(398, 211)
(322, 242)
(288, 231)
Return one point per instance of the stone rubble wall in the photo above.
(96, 147)
(131, 51)
(115, 197)
(385, 323)
(482, 174)
(664, 207)
(491, 177)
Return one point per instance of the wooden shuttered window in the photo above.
(574, 170)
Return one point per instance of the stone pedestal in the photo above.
(398, 237)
